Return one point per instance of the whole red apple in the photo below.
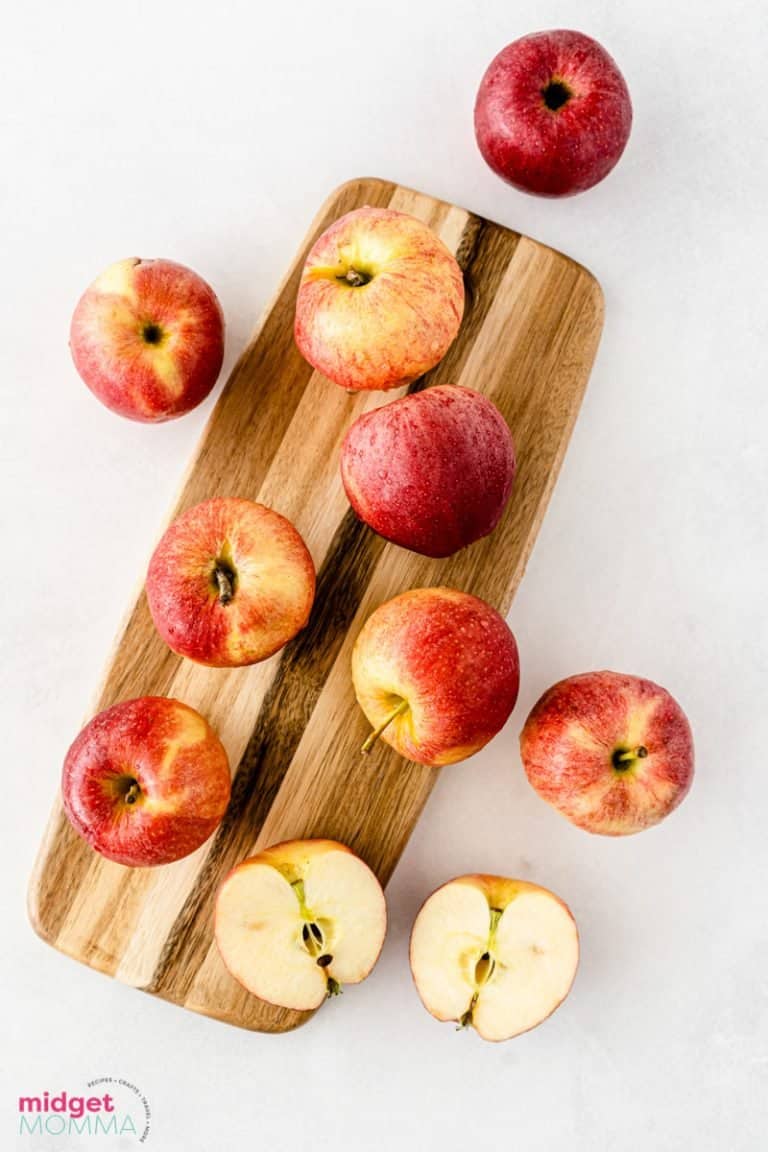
(553, 113)
(613, 753)
(380, 300)
(431, 471)
(230, 583)
(436, 672)
(147, 338)
(146, 781)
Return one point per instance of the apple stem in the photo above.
(355, 278)
(629, 755)
(225, 584)
(466, 1020)
(133, 793)
(334, 988)
(373, 737)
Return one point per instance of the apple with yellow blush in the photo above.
(147, 338)
(146, 781)
(612, 753)
(230, 583)
(380, 300)
(436, 672)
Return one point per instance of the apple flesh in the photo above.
(553, 113)
(146, 781)
(380, 300)
(299, 920)
(495, 954)
(612, 753)
(230, 583)
(147, 338)
(436, 672)
(432, 471)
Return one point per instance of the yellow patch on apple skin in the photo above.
(191, 730)
(639, 717)
(581, 737)
(454, 755)
(118, 279)
(165, 367)
(366, 252)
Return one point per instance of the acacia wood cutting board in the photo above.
(291, 725)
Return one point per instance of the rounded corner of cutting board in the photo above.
(252, 1015)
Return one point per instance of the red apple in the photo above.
(553, 113)
(436, 672)
(380, 300)
(147, 338)
(230, 583)
(146, 782)
(432, 471)
(613, 753)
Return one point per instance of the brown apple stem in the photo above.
(373, 737)
(354, 278)
(133, 793)
(630, 754)
(225, 584)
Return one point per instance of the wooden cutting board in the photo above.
(291, 725)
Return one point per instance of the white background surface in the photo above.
(210, 133)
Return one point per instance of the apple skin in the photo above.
(573, 740)
(399, 323)
(271, 577)
(147, 337)
(431, 471)
(166, 756)
(452, 658)
(553, 151)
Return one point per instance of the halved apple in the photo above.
(497, 954)
(299, 920)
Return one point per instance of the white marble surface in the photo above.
(209, 133)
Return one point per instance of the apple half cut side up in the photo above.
(298, 921)
(495, 954)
